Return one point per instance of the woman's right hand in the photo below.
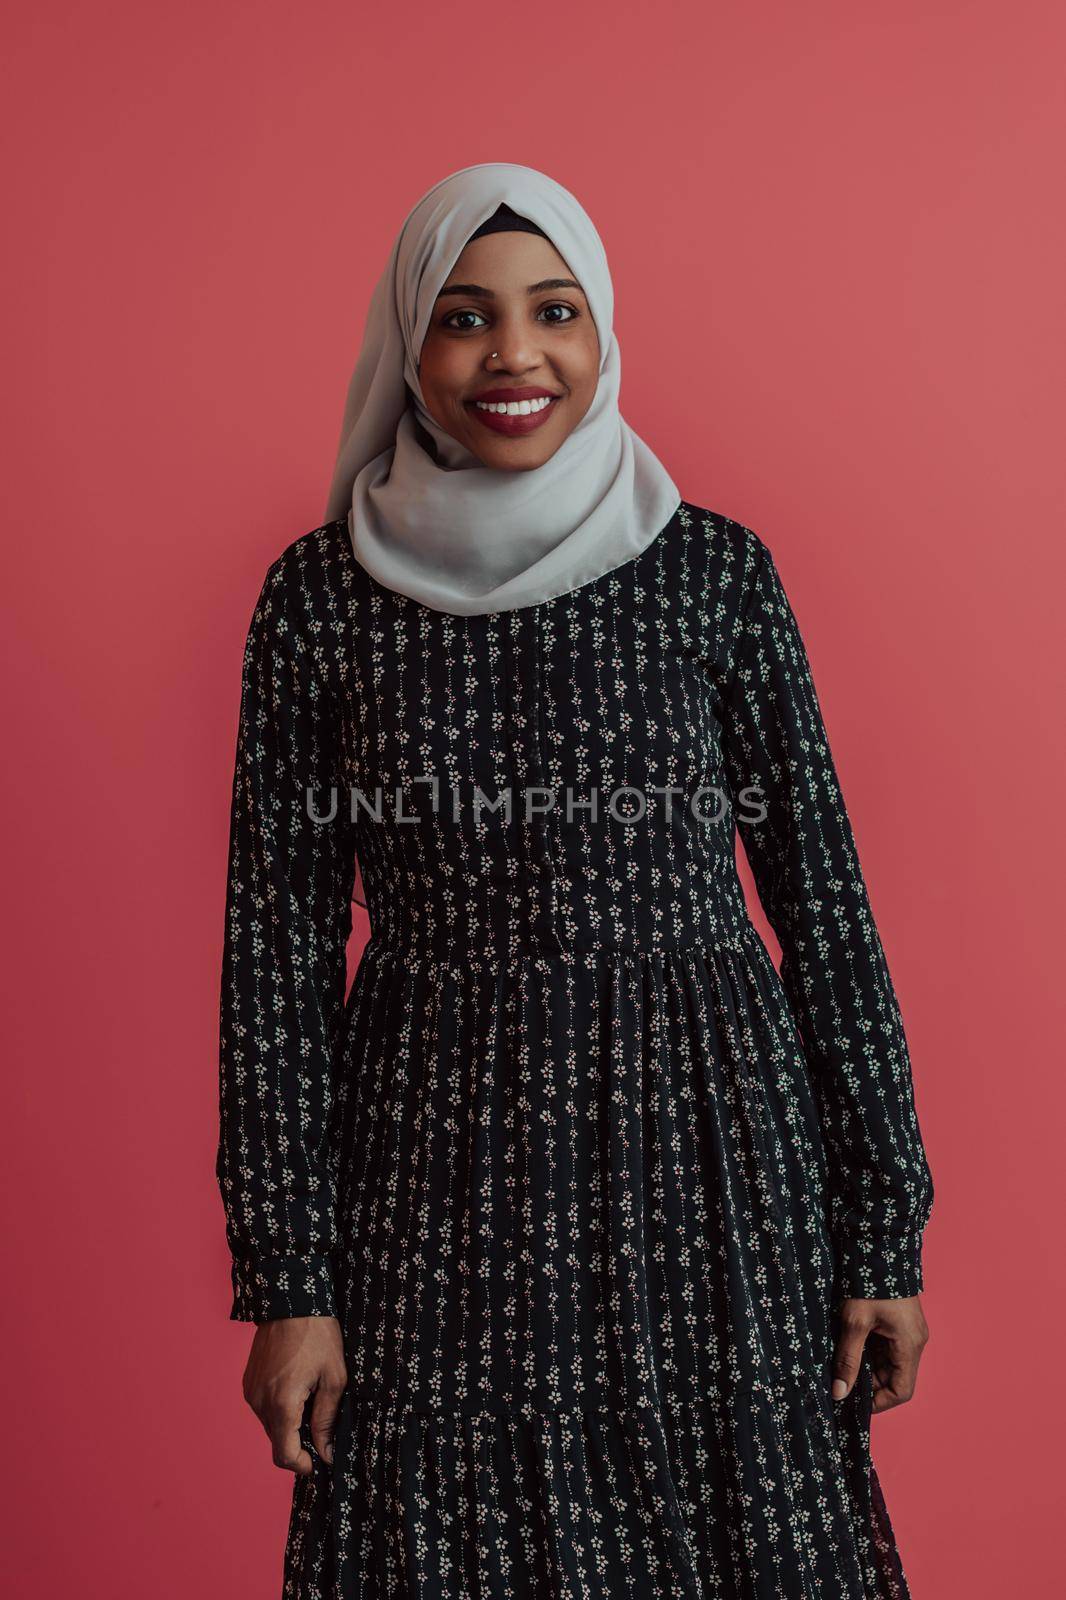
(290, 1359)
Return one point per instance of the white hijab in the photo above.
(454, 534)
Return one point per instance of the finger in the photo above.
(288, 1451)
(881, 1375)
(847, 1356)
(886, 1396)
(324, 1410)
(880, 1355)
(896, 1384)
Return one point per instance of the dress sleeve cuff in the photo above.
(266, 1288)
(880, 1266)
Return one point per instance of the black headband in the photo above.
(504, 220)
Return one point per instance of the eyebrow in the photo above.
(476, 292)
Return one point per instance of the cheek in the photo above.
(442, 369)
(587, 370)
(585, 386)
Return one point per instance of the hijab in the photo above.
(442, 527)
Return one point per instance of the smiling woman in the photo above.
(582, 1242)
(512, 313)
(465, 508)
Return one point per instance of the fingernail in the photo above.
(840, 1388)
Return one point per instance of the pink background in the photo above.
(837, 240)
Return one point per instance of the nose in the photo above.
(514, 350)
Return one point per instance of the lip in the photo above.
(516, 426)
(507, 395)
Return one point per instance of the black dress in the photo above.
(582, 1178)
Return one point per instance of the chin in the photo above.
(511, 461)
(518, 466)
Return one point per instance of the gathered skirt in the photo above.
(586, 1293)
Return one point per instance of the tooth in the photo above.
(514, 408)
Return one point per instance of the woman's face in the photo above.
(511, 293)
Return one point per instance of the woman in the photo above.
(581, 1245)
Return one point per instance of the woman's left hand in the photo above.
(894, 1334)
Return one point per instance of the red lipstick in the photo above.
(506, 395)
(515, 425)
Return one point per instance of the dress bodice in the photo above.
(553, 777)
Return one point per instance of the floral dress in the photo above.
(582, 1177)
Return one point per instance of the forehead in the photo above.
(509, 260)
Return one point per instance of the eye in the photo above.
(448, 323)
(560, 305)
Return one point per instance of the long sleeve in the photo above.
(806, 868)
(287, 920)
